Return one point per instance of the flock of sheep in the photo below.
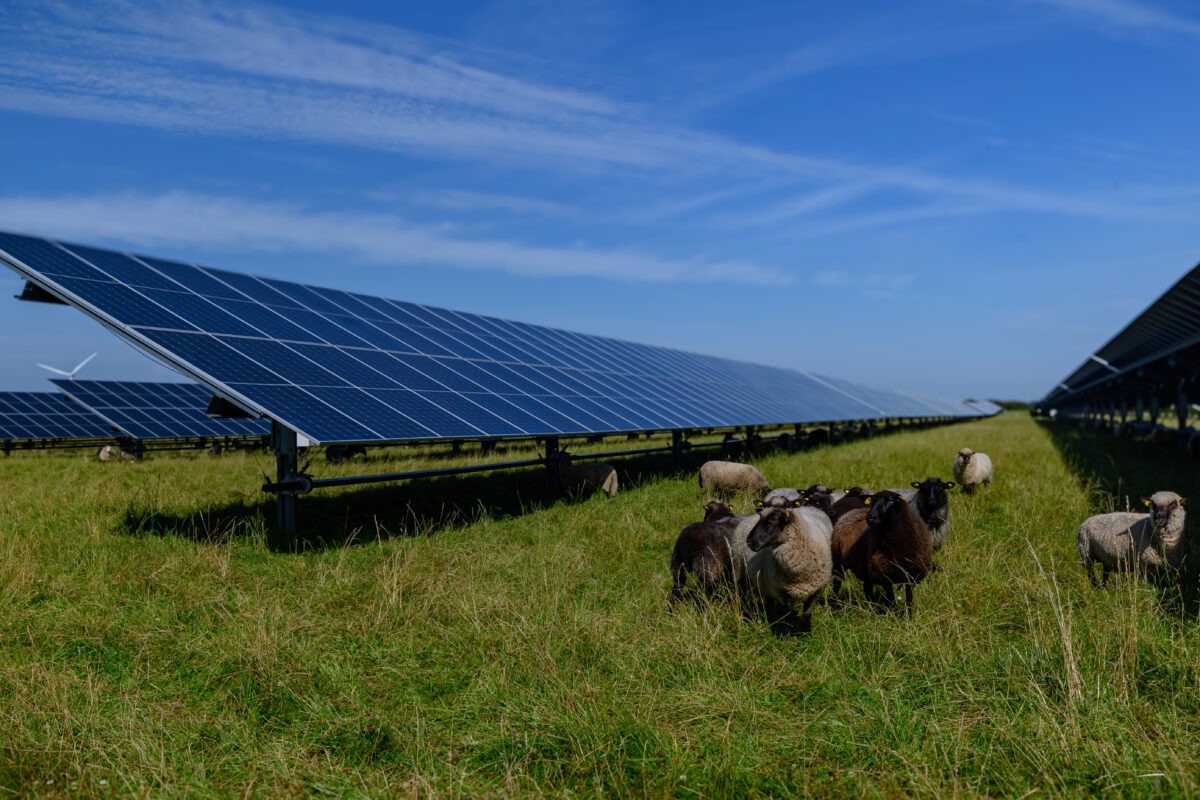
(799, 541)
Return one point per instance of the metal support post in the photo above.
(1181, 406)
(283, 440)
(677, 449)
(553, 464)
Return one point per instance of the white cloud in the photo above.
(211, 223)
(1130, 15)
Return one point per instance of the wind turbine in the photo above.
(69, 375)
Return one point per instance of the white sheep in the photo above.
(972, 469)
(727, 478)
(790, 563)
(1150, 544)
(581, 479)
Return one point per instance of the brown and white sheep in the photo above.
(790, 565)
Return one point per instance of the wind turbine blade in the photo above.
(55, 370)
(79, 366)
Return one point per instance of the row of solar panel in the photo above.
(1168, 327)
(103, 409)
(339, 367)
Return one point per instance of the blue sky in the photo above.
(948, 197)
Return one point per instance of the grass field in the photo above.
(472, 637)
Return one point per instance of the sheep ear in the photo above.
(950, 484)
(797, 503)
(916, 484)
(1146, 501)
(867, 500)
(758, 504)
(1183, 501)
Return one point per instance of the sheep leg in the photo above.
(805, 627)
(783, 620)
(889, 593)
(835, 587)
(677, 590)
(908, 599)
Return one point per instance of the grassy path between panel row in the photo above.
(531, 652)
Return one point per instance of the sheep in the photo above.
(702, 549)
(972, 469)
(580, 479)
(705, 549)
(790, 564)
(931, 500)
(1148, 543)
(726, 478)
(884, 544)
(850, 499)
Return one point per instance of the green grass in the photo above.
(474, 637)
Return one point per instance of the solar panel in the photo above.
(986, 407)
(340, 367)
(47, 415)
(157, 410)
(1170, 325)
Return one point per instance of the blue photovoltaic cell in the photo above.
(345, 367)
(48, 415)
(157, 410)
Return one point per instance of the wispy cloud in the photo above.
(209, 223)
(262, 73)
(1126, 14)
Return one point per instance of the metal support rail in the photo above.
(302, 484)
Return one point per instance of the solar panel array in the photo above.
(340, 367)
(158, 410)
(1169, 326)
(47, 415)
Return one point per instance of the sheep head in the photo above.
(965, 454)
(882, 505)
(931, 493)
(821, 500)
(717, 509)
(769, 530)
(1161, 505)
